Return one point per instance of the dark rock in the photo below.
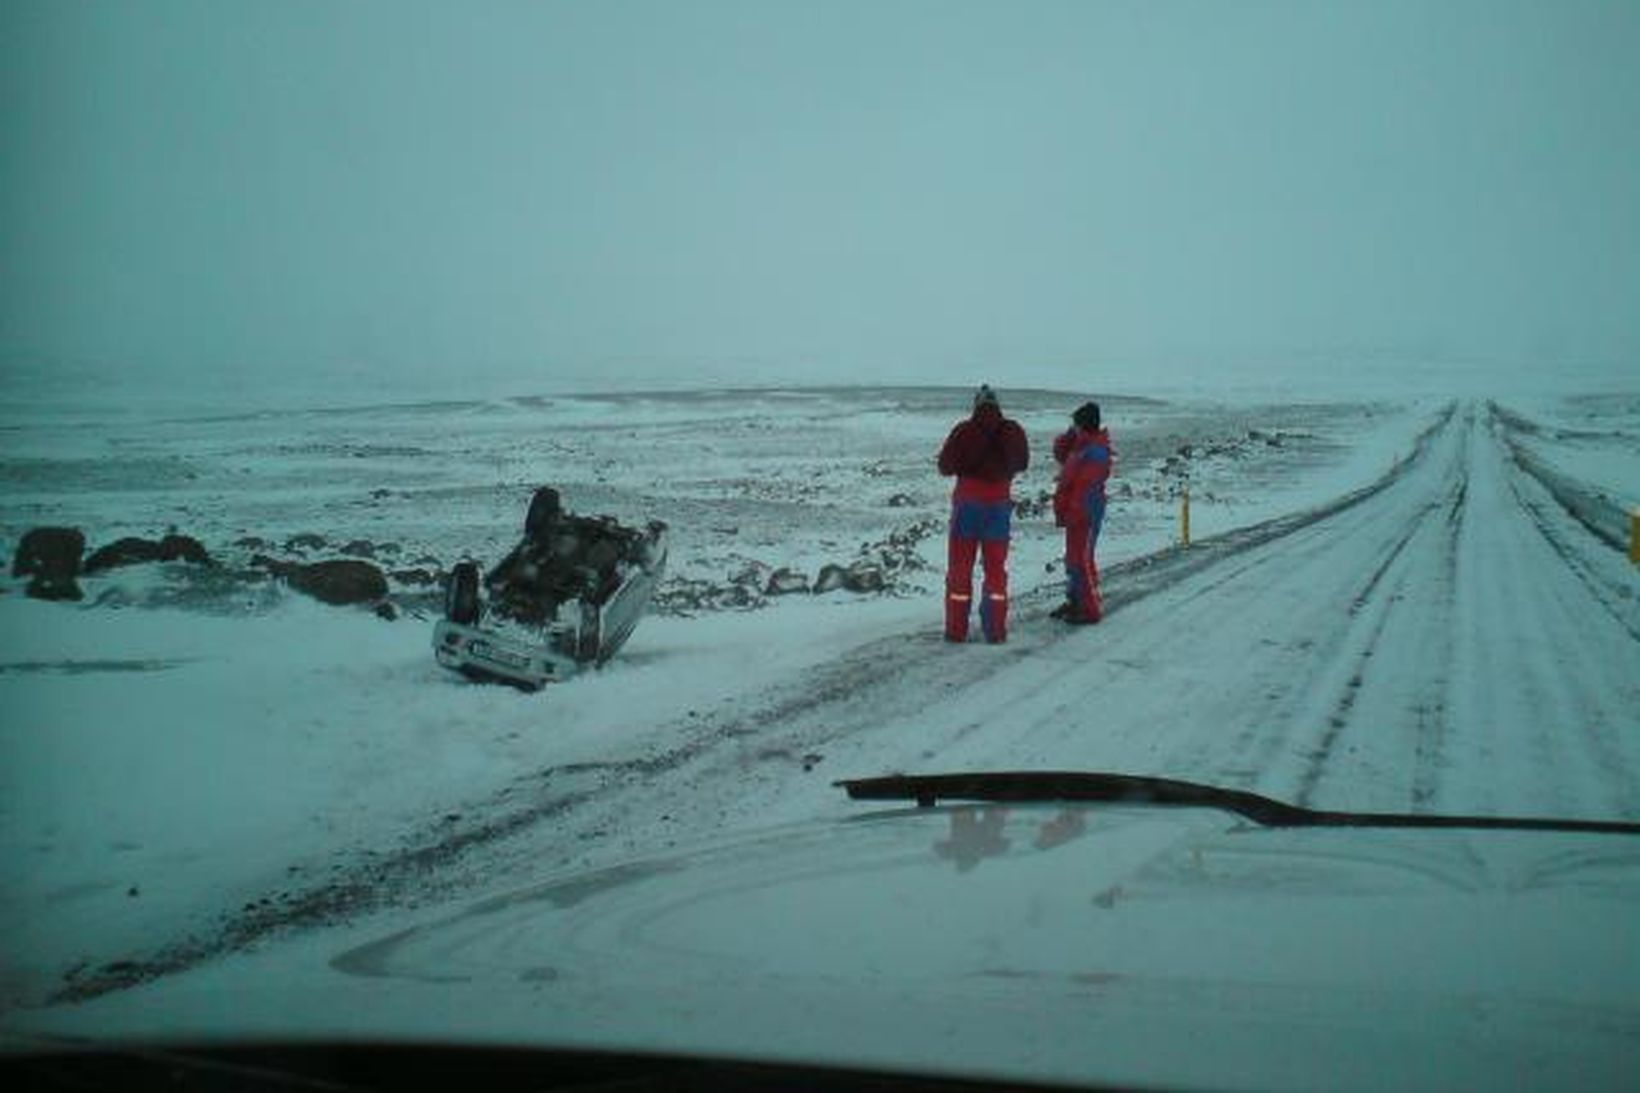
(360, 548)
(340, 582)
(785, 581)
(864, 578)
(135, 551)
(305, 541)
(49, 552)
(420, 577)
(183, 548)
(386, 610)
(830, 579)
(680, 596)
(51, 557)
(1037, 505)
(43, 587)
(753, 574)
(121, 552)
(901, 501)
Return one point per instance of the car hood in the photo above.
(1110, 944)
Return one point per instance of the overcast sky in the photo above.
(913, 190)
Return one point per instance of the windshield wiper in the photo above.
(1024, 787)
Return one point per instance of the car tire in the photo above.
(543, 506)
(461, 594)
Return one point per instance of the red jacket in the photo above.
(1085, 458)
(984, 452)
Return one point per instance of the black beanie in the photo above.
(1087, 416)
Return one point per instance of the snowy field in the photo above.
(1387, 605)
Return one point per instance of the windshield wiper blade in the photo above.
(1023, 787)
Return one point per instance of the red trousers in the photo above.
(1081, 571)
(959, 587)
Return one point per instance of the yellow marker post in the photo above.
(1184, 516)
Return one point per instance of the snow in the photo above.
(169, 765)
(1595, 440)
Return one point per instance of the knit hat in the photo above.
(1087, 416)
(985, 396)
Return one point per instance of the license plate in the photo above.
(485, 651)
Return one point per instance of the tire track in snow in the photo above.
(1482, 616)
(1429, 709)
(1329, 644)
(1601, 734)
(1443, 520)
(1537, 705)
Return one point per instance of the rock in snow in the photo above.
(339, 582)
(135, 551)
(50, 556)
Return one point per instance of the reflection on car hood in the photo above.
(1110, 943)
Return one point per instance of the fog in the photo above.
(580, 194)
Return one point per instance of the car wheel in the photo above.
(544, 506)
(461, 594)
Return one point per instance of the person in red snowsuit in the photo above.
(984, 452)
(1084, 455)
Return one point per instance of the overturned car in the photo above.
(566, 597)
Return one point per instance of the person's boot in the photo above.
(1074, 615)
